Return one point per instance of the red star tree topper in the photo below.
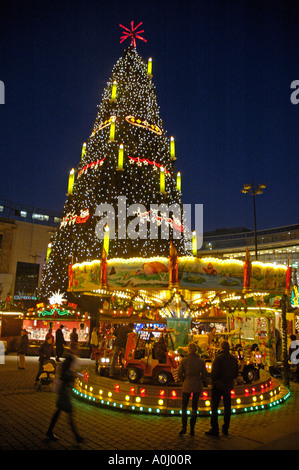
(132, 33)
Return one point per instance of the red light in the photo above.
(142, 391)
(117, 387)
(246, 390)
(232, 392)
(173, 393)
(253, 389)
(86, 376)
(132, 390)
(205, 394)
(162, 393)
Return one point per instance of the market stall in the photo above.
(40, 320)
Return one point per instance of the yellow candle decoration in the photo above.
(48, 251)
(120, 164)
(162, 180)
(113, 93)
(172, 149)
(106, 239)
(178, 181)
(83, 151)
(194, 243)
(112, 128)
(149, 67)
(71, 181)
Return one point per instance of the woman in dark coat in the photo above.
(192, 371)
(22, 348)
(60, 342)
(64, 400)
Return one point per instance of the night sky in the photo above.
(222, 71)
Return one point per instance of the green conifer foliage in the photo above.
(146, 148)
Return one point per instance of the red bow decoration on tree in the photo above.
(132, 33)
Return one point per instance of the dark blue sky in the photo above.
(222, 71)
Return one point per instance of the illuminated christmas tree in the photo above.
(127, 164)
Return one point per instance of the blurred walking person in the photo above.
(64, 399)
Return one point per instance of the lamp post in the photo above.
(253, 191)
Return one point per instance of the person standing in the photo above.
(212, 338)
(64, 400)
(74, 339)
(160, 350)
(120, 344)
(94, 341)
(59, 343)
(192, 371)
(224, 371)
(22, 348)
(50, 334)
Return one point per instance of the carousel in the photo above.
(178, 300)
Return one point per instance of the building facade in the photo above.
(25, 235)
(277, 245)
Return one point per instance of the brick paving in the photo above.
(26, 413)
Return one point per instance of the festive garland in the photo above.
(131, 120)
(145, 124)
(71, 218)
(152, 216)
(146, 161)
(102, 125)
(91, 165)
(241, 304)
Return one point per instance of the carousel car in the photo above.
(145, 358)
(103, 354)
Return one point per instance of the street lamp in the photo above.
(253, 191)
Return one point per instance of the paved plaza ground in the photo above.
(25, 415)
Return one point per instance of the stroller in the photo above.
(48, 374)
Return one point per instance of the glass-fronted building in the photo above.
(275, 245)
